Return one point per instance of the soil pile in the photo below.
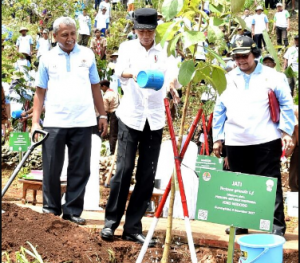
(57, 240)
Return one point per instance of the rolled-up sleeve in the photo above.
(287, 119)
(219, 120)
(42, 76)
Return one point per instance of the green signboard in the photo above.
(19, 141)
(236, 199)
(209, 162)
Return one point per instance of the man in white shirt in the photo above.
(67, 83)
(282, 25)
(260, 23)
(43, 44)
(106, 4)
(25, 43)
(248, 20)
(100, 20)
(291, 58)
(141, 116)
(84, 30)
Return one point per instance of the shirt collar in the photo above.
(257, 70)
(154, 46)
(61, 52)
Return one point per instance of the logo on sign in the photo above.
(206, 176)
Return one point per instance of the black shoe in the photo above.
(138, 238)
(49, 211)
(107, 233)
(278, 232)
(238, 231)
(75, 219)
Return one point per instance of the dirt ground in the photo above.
(57, 240)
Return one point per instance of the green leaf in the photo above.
(214, 33)
(289, 72)
(217, 56)
(218, 21)
(172, 45)
(160, 31)
(186, 72)
(242, 23)
(203, 72)
(191, 38)
(171, 8)
(271, 49)
(219, 80)
(215, 9)
(170, 32)
(236, 5)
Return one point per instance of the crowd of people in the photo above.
(76, 103)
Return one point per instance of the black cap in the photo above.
(243, 45)
(268, 57)
(145, 18)
(296, 37)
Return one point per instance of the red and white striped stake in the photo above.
(178, 160)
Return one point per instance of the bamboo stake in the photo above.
(165, 258)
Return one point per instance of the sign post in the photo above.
(237, 200)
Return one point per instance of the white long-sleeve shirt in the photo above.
(139, 104)
(242, 114)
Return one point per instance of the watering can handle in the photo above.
(262, 253)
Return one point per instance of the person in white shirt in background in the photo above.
(106, 4)
(43, 45)
(84, 30)
(248, 20)
(159, 18)
(240, 32)
(260, 23)
(132, 35)
(141, 116)
(282, 25)
(100, 20)
(25, 43)
(22, 65)
(291, 58)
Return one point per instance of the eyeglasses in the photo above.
(241, 56)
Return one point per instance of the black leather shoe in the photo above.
(278, 232)
(75, 219)
(238, 231)
(49, 211)
(107, 233)
(138, 238)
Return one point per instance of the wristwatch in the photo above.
(103, 117)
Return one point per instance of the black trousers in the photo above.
(270, 3)
(294, 171)
(281, 34)
(148, 144)
(113, 131)
(259, 39)
(262, 159)
(78, 141)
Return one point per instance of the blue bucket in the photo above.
(16, 114)
(261, 248)
(150, 79)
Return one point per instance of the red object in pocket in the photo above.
(274, 106)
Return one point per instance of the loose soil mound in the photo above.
(57, 240)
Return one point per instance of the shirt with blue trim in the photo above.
(242, 113)
(68, 79)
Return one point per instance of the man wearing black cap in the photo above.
(269, 61)
(291, 58)
(141, 116)
(242, 120)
